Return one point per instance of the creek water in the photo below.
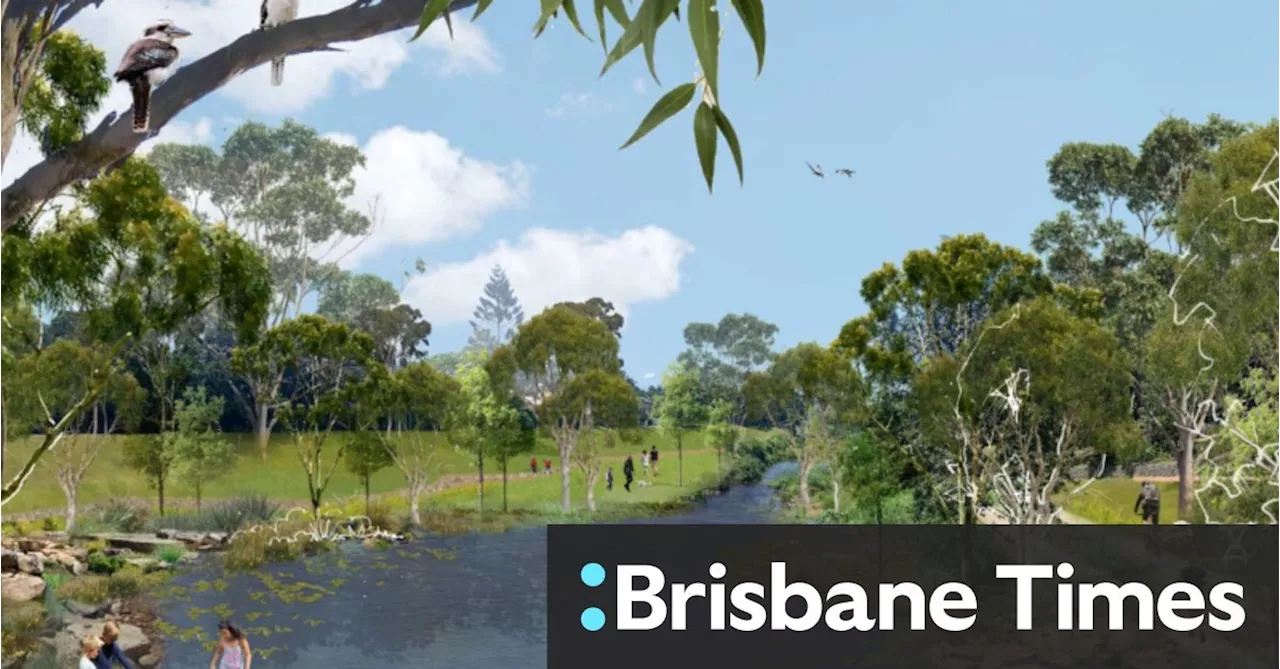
(475, 601)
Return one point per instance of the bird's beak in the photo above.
(178, 32)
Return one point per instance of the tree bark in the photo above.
(680, 459)
(566, 453)
(197, 495)
(366, 494)
(804, 468)
(480, 467)
(261, 428)
(1186, 474)
(160, 490)
(415, 491)
(71, 494)
(835, 490)
(4, 429)
(114, 140)
(592, 474)
(504, 486)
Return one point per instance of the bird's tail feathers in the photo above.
(141, 104)
(277, 71)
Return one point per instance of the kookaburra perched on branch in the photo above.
(147, 63)
(274, 13)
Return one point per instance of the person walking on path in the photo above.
(608, 479)
(644, 464)
(110, 654)
(653, 459)
(1149, 501)
(232, 651)
(628, 472)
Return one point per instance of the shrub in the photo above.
(21, 625)
(97, 545)
(380, 515)
(89, 589)
(117, 516)
(170, 554)
(101, 563)
(244, 511)
(54, 524)
(125, 583)
(253, 547)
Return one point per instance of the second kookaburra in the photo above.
(274, 13)
(147, 63)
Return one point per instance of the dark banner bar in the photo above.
(747, 597)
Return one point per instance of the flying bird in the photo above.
(146, 64)
(845, 171)
(816, 170)
(274, 13)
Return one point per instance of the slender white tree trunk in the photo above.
(592, 474)
(415, 491)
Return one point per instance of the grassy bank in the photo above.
(1110, 502)
(278, 475)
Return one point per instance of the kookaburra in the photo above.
(274, 13)
(147, 63)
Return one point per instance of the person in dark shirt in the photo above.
(608, 479)
(1149, 501)
(628, 472)
(653, 459)
(110, 655)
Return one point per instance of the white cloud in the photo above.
(366, 64)
(577, 104)
(649, 375)
(425, 190)
(639, 86)
(181, 132)
(547, 266)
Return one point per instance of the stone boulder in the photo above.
(32, 544)
(21, 587)
(82, 610)
(132, 641)
(67, 559)
(9, 560)
(138, 543)
(31, 563)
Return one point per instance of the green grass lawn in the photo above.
(543, 491)
(1110, 502)
(280, 475)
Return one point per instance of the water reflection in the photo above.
(468, 602)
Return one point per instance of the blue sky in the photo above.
(947, 110)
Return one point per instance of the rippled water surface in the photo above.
(467, 602)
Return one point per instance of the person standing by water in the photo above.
(628, 472)
(233, 648)
(90, 647)
(110, 654)
(653, 459)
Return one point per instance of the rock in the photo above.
(149, 660)
(143, 563)
(31, 563)
(166, 534)
(140, 543)
(21, 587)
(132, 641)
(86, 610)
(116, 607)
(32, 544)
(67, 560)
(9, 559)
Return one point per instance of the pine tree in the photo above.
(498, 314)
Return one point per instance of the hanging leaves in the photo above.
(641, 30)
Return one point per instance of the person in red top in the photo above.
(533, 465)
(547, 465)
